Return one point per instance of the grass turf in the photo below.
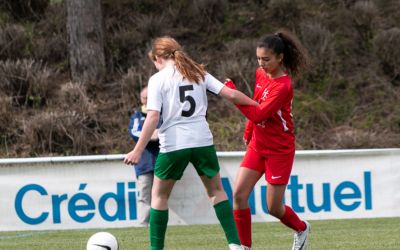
(382, 233)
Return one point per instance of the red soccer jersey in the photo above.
(270, 126)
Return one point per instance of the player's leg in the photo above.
(244, 184)
(168, 169)
(159, 211)
(222, 208)
(251, 170)
(214, 188)
(287, 216)
(277, 175)
(145, 183)
(205, 161)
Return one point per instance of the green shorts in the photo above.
(171, 165)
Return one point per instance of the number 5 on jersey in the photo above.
(190, 99)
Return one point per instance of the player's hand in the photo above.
(229, 83)
(132, 158)
(246, 142)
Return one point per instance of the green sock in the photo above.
(225, 217)
(158, 227)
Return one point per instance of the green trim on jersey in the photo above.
(171, 165)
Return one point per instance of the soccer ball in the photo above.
(101, 241)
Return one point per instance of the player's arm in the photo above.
(248, 129)
(248, 132)
(215, 86)
(266, 109)
(154, 136)
(150, 124)
(236, 97)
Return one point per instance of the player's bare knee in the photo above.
(214, 192)
(160, 196)
(239, 197)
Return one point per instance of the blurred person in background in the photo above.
(144, 169)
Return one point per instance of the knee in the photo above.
(155, 195)
(240, 197)
(215, 192)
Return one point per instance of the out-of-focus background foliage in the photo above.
(350, 97)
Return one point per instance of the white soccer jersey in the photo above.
(183, 106)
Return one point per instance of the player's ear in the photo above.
(280, 58)
(158, 59)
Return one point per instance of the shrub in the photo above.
(239, 64)
(376, 107)
(73, 96)
(211, 10)
(70, 126)
(51, 48)
(320, 44)
(26, 9)
(59, 132)
(286, 12)
(6, 114)
(240, 70)
(364, 15)
(28, 82)
(228, 131)
(389, 12)
(386, 49)
(122, 49)
(346, 136)
(14, 41)
(129, 87)
(151, 26)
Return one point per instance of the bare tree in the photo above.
(85, 40)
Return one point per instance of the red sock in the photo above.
(291, 220)
(243, 225)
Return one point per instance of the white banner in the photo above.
(100, 191)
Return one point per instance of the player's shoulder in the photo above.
(157, 76)
(261, 78)
(163, 74)
(286, 80)
(282, 83)
(259, 72)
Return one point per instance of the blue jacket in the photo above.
(149, 156)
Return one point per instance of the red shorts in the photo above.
(277, 168)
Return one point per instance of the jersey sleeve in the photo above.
(248, 130)
(267, 108)
(154, 98)
(213, 84)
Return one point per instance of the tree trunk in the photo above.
(85, 40)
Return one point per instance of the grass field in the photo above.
(327, 234)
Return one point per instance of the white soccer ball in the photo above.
(102, 241)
